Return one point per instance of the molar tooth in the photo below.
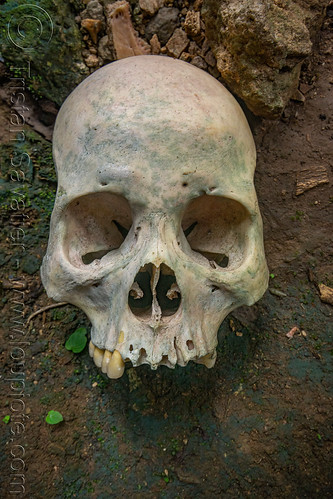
(91, 349)
(98, 356)
(207, 360)
(106, 360)
(116, 366)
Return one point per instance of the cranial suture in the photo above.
(156, 233)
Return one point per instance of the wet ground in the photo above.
(258, 425)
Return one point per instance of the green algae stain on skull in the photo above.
(158, 235)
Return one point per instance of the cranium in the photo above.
(156, 233)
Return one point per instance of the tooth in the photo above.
(116, 366)
(98, 356)
(106, 360)
(91, 349)
(121, 337)
(207, 360)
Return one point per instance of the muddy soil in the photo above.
(257, 425)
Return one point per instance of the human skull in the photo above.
(156, 233)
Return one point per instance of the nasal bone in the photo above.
(158, 245)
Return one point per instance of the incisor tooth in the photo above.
(98, 356)
(116, 366)
(106, 360)
(91, 349)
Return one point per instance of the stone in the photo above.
(105, 49)
(326, 294)
(93, 26)
(155, 45)
(38, 347)
(163, 24)
(192, 23)
(199, 62)
(30, 264)
(94, 10)
(193, 48)
(298, 96)
(210, 59)
(151, 6)
(260, 47)
(92, 61)
(125, 40)
(185, 56)
(197, 5)
(177, 43)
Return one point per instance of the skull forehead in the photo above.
(150, 114)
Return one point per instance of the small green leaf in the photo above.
(77, 341)
(54, 417)
(6, 419)
(272, 276)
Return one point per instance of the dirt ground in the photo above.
(258, 425)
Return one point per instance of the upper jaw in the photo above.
(113, 364)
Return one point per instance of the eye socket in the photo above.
(95, 225)
(216, 227)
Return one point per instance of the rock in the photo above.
(92, 61)
(120, 30)
(56, 65)
(163, 24)
(177, 43)
(105, 49)
(155, 45)
(185, 56)
(151, 6)
(93, 26)
(197, 4)
(38, 347)
(192, 23)
(199, 62)
(210, 59)
(193, 48)
(205, 47)
(310, 178)
(30, 264)
(326, 294)
(260, 47)
(298, 96)
(94, 10)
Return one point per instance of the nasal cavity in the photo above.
(154, 287)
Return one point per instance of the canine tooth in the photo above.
(116, 366)
(91, 349)
(121, 337)
(98, 356)
(106, 360)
